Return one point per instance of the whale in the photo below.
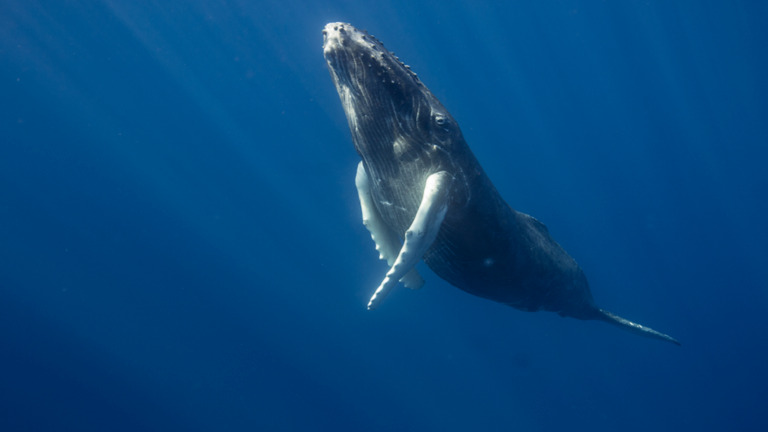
(425, 197)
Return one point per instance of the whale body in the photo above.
(424, 195)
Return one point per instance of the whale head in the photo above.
(391, 114)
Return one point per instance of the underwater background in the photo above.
(181, 245)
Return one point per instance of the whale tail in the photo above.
(626, 324)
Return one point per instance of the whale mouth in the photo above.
(345, 49)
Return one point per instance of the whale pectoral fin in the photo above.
(386, 240)
(420, 235)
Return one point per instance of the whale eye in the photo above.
(443, 123)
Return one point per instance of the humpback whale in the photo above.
(424, 195)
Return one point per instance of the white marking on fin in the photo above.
(420, 235)
(386, 240)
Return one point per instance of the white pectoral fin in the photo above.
(387, 242)
(420, 235)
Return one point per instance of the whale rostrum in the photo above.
(424, 196)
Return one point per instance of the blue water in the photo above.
(181, 246)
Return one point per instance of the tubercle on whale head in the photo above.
(340, 35)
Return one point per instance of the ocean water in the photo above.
(181, 246)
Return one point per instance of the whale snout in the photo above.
(338, 35)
